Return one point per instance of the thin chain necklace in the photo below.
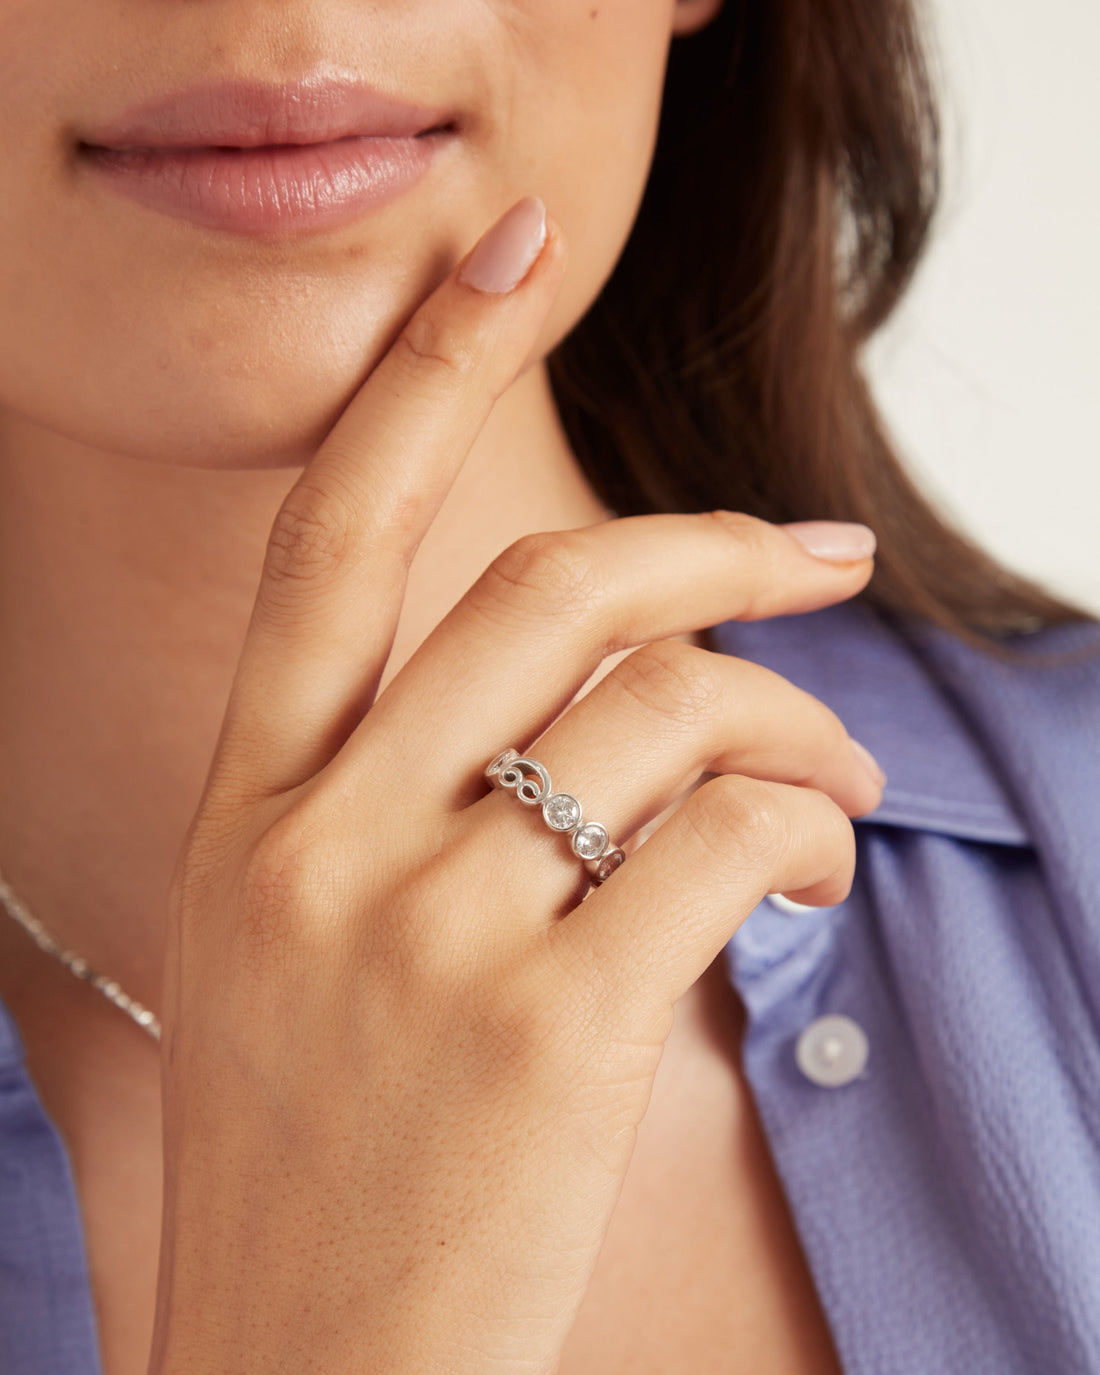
(80, 967)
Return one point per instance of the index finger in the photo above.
(337, 558)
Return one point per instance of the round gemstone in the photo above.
(608, 864)
(590, 840)
(562, 812)
(499, 761)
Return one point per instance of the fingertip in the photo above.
(835, 541)
(504, 255)
(868, 762)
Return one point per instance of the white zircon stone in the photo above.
(562, 812)
(609, 863)
(498, 763)
(590, 840)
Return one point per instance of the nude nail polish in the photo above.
(503, 256)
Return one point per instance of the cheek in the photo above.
(585, 127)
(131, 332)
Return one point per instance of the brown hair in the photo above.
(719, 366)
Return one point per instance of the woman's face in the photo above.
(134, 331)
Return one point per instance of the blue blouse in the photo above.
(925, 1056)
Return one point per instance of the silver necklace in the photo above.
(80, 967)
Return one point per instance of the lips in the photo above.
(255, 159)
(238, 114)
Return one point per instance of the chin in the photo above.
(188, 427)
(248, 403)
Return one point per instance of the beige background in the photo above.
(989, 373)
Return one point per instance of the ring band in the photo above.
(588, 840)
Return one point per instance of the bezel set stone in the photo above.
(589, 840)
(608, 863)
(561, 812)
(499, 762)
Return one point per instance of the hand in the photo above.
(403, 1064)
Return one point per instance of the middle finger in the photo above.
(524, 640)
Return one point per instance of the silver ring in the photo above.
(588, 840)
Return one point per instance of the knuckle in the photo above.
(198, 868)
(752, 532)
(768, 830)
(740, 817)
(673, 679)
(436, 347)
(547, 574)
(310, 538)
(288, 891)
(755, 544)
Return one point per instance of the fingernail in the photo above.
(835, 540)
(869, 762)
(504, 254)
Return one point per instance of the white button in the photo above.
(788, 905)
(832, 1050)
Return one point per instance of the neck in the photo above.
(125, 591)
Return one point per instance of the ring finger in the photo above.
(665, 715)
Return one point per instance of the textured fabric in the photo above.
(47, 1322)
(948, 1197)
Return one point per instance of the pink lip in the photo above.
(255, 159)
